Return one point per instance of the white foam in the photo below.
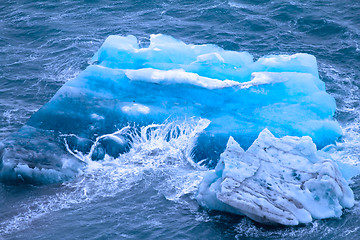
(152, 152)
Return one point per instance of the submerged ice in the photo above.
(284, 181)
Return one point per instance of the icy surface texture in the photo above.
(127, 85)
(277, 180)
(170, 78)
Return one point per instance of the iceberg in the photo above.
(131, 85)
(276, 181)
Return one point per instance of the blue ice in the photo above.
(129, 85)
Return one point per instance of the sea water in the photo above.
(149, 192)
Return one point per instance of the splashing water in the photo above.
(161, 152)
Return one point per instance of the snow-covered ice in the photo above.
(277, 180)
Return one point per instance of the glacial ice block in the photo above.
(169, 80)
(280, 92)
(277, 180)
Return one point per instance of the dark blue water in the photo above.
(45, 43)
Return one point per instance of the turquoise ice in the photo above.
(130, 85)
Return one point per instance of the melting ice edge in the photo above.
(276, 108)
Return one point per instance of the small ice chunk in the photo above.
(277, 180)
